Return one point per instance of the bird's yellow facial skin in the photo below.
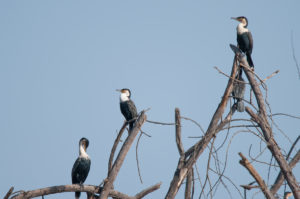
(239, 19)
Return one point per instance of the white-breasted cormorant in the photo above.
(244, 38)
(238, 92)
(127, 106)
(82, 165)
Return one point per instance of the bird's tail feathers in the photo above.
(131, 126)
(77, 195)
(249, 60)
(240, 106)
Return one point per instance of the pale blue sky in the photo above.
(61, 62)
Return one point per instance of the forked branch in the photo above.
(191, 155)
(244, 161)
(108, 184)
(261, 118)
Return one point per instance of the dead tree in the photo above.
(184, 172)
(188, 158)
(262, 120)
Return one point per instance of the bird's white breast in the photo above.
(241, 29)
(82, 153)
(123, 97)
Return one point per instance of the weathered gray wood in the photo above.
(244, 161)
(280, 178)
(68, 188)
(178, 132)
(191, 155)
(188, 185)
(113, 150)
(121, 156)
(147, 191)
(261, 118)
(9, 193)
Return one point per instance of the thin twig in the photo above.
(284, 114)
(137, 158)
(292, 147)
(161, 123)
(270, 76)
(186, 118)
(143, 132)
(234, 79)
(294, 56)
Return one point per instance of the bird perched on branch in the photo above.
(81, 166)
(244, 38)
(127, 107)
(238, 92)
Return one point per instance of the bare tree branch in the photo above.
(188, 185)
(279, 180)
(294, 56)
(249, 187)
(178, 132)
(262, 120)
(161, 123)
(184, 165)
(9, 193)
(113, 150)
(256, 176)
(137, 158)
(292, 147)
(66, 188)
(121, 156)
(92, 189)
(284, 114)
(147, 191)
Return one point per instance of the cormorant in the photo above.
(127, 106)
(82, 165)
(244, 38)
(238, 92)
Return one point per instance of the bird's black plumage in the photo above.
(127, 107)
(80, 170)
(245, 42)
(81, 166)
(129, 111)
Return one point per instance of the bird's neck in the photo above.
(241, 28)
(82, 152)
(124, 97)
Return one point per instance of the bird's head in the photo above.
(243, 20)
(84, 143)
(125, 94)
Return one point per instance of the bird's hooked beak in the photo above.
(84, 146)
(236, 18)
(118, 90)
